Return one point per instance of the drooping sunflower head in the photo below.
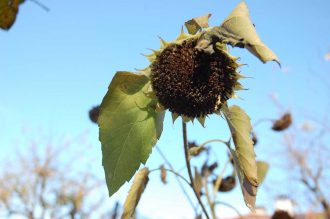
(190, 82)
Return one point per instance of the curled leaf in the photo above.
(129, 127)
(196, 24)
(240, 127)
(239, 24)
(139, 184)
(283, 123)
(249, 190)
(243, 155)
(262, 170)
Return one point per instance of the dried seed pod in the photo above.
(212, 167)
(94, 114)
(283, 123)
(192, 144)
(227, 184)
(163, 174)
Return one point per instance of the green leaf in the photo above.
(239, 23)
(262, 170)
(244, 156)
(196, 24)
(129, 127)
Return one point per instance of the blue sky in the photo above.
(55, 66)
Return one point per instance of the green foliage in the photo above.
(129, 127)
(244, 156)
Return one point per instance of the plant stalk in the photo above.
(186, 152)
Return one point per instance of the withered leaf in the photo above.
(135, 192)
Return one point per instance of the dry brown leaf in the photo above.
(197, 23)
(135, 192)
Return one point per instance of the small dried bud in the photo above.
(283, 123)
(163, 174)
(212, 167)
(192, 144)
(227, 184)
(94, 114)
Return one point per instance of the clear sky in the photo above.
(55, 66)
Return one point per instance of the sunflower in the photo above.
(191, 82)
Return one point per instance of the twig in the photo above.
(186, 152)
(230, 206)
(40, 5)
(179, 182)
(209, 200)
(172, 171)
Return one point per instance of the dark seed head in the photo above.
(283, 123)
(190, 82)
(94, 114)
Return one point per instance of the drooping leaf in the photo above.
(262, 170)
(249, 190)
(129, 126)
(239, 23)
(135, 192)
(240, 127)
(196, 24)
(243, 155)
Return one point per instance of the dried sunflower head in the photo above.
(190, 82)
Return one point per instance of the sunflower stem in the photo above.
(191, 178)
